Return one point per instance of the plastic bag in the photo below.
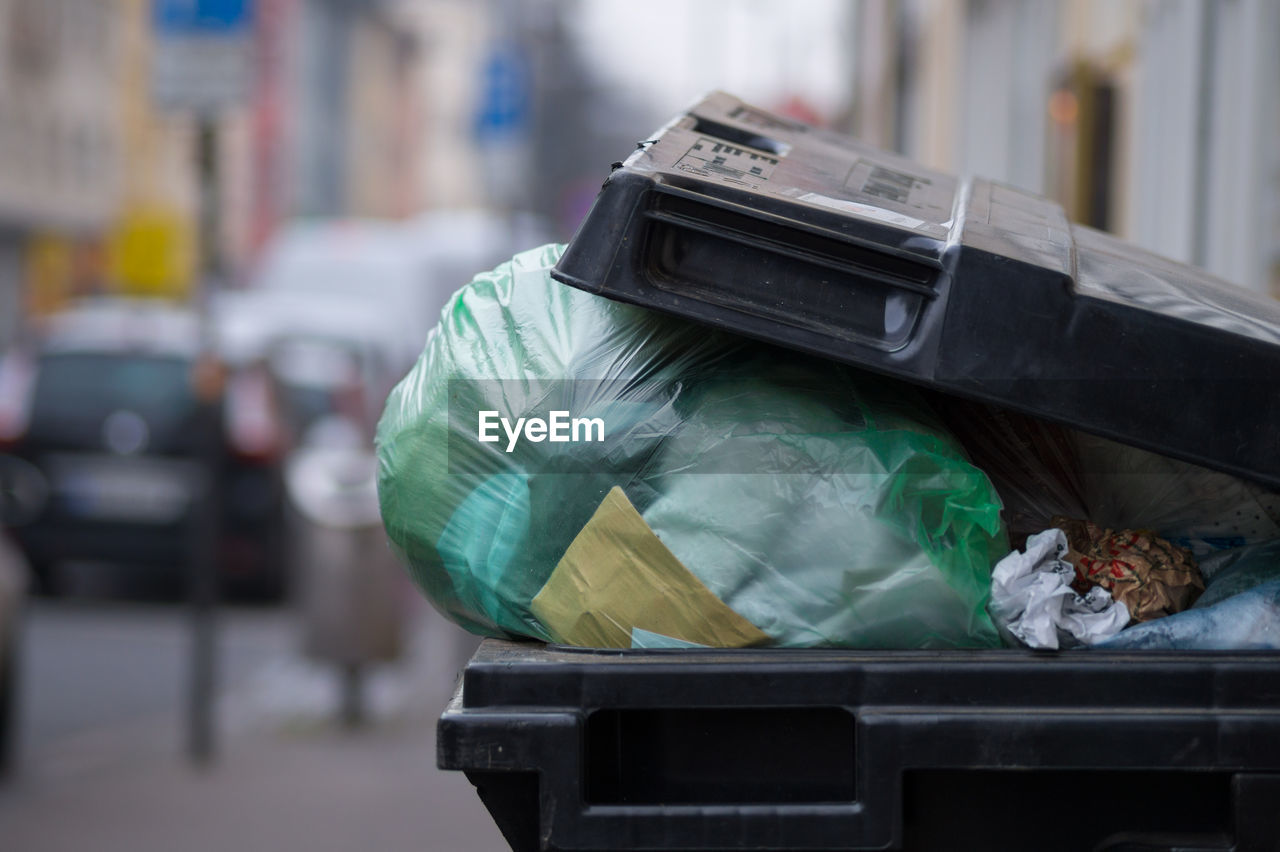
(1032, 463)
(1033, 601)
(1041, 470)
(1230, 572)
(1193, 507)
(825, 506)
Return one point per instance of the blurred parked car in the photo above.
(104, 410)
(393, 277)
(338, 310)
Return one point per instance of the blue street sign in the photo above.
(203, 58)
(202, 17)
(504, 94)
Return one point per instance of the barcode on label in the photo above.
(889, 185)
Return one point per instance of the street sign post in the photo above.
(203, 65)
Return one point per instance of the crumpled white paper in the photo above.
(1032, 598)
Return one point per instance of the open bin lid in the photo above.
(744, 220)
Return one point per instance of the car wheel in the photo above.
(8, 703)
(45, 579)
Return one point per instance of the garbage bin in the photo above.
(751, 222)
(351, 589)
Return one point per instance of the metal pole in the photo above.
(202, 578)
(353, 715)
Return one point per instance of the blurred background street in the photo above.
(101, 759)
(226, 228)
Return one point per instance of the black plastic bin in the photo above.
(826, 750)
(747, 221)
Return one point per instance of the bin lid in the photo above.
(748, 221)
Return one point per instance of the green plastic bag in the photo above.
(826, 506)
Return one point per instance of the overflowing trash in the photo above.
(1188, 553)
(573, 469)
(1156, 533)
(1239, 610)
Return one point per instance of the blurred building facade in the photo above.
(330, 128)
(452, 36)
(60, 140)
(351, 149)
(382, 129)
(1152, 119)
(515, 114)
(99, 188)
(1155, 120)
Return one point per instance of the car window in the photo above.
(84, 387)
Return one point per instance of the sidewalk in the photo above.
(287, 776)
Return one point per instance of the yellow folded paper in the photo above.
(618, 575)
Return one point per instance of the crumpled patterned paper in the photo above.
(1150, 576)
